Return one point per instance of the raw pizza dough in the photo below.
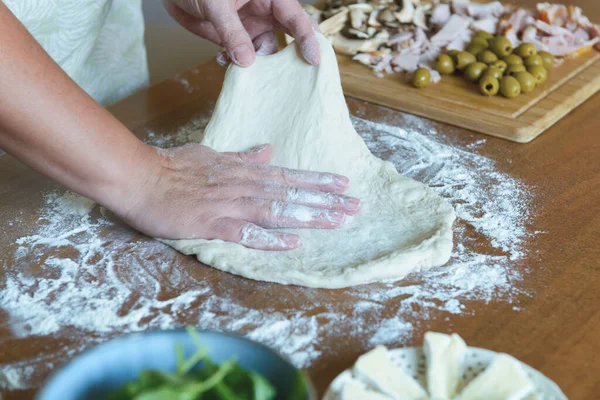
(300, 109)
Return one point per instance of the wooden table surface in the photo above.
(556, 328)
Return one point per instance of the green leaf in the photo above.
(180, 357)
(300, 387)
(224, 392)
(263, 390)
(201, 387)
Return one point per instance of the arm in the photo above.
(54, 127)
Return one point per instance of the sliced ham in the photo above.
(455, 27)
(563, 48)
(400, 38)
(420, 39)
(494, 9)
(440, 14)
(552, 30)
(406, 62)
(487, 24)
(581, 34)
(553, 14)
(461, 41)
(515, 22)
(429, 56)
(530, 36)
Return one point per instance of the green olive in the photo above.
(501, 65)
(511, 69)
(493, 72)
(526, 80)
(444, 64)
(525, 50)
(474, 71)
(488, 86)
(539, 73)
(484, 35)
(547, 58)
(487, 57)
(452, 53)
(480, 41)
(510, 87)
(501, 46)
(421, 78)
(464, 59)
(475, 48)
(533, 60)
(513, 59)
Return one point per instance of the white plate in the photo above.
(412, 359)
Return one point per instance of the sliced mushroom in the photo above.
(313, 12)
(350, 47)
(388, 18)
(382, 36)
(386, 15)
(420, 18)
(407, 13)
(358, 34)
(363, 58)
(372, 21)
(364, 7)
(347, 46)
(359, 13)
(330, 12)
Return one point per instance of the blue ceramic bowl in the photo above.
(109, 366)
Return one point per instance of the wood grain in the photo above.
(556, 327)
(458, 102)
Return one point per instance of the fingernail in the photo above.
(336, 218)
(223, 59)
(352, 203)
(310, 49)
(340, 181)
(242, 55)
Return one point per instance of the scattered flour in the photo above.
(99, 278)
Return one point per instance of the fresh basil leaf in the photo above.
(300, 388)
(262, 388)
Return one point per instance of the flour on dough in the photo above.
(403, 225)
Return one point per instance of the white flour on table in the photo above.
(99, 278)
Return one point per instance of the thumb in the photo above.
(256, 155)
(234, 37)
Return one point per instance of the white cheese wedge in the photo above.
(354, 390)
(445, 356)
(377, 368)
(503, 379)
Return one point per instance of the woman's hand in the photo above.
(246, 27)
(195, 192)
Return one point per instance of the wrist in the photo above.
(129, 183)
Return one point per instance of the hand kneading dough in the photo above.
(403, 225)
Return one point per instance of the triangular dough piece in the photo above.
(355, 391)
(377, 368)
(445, 355)
(403, 225)
(503, 379)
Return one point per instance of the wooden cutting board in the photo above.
(458, 102)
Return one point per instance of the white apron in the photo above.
(98, 43)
